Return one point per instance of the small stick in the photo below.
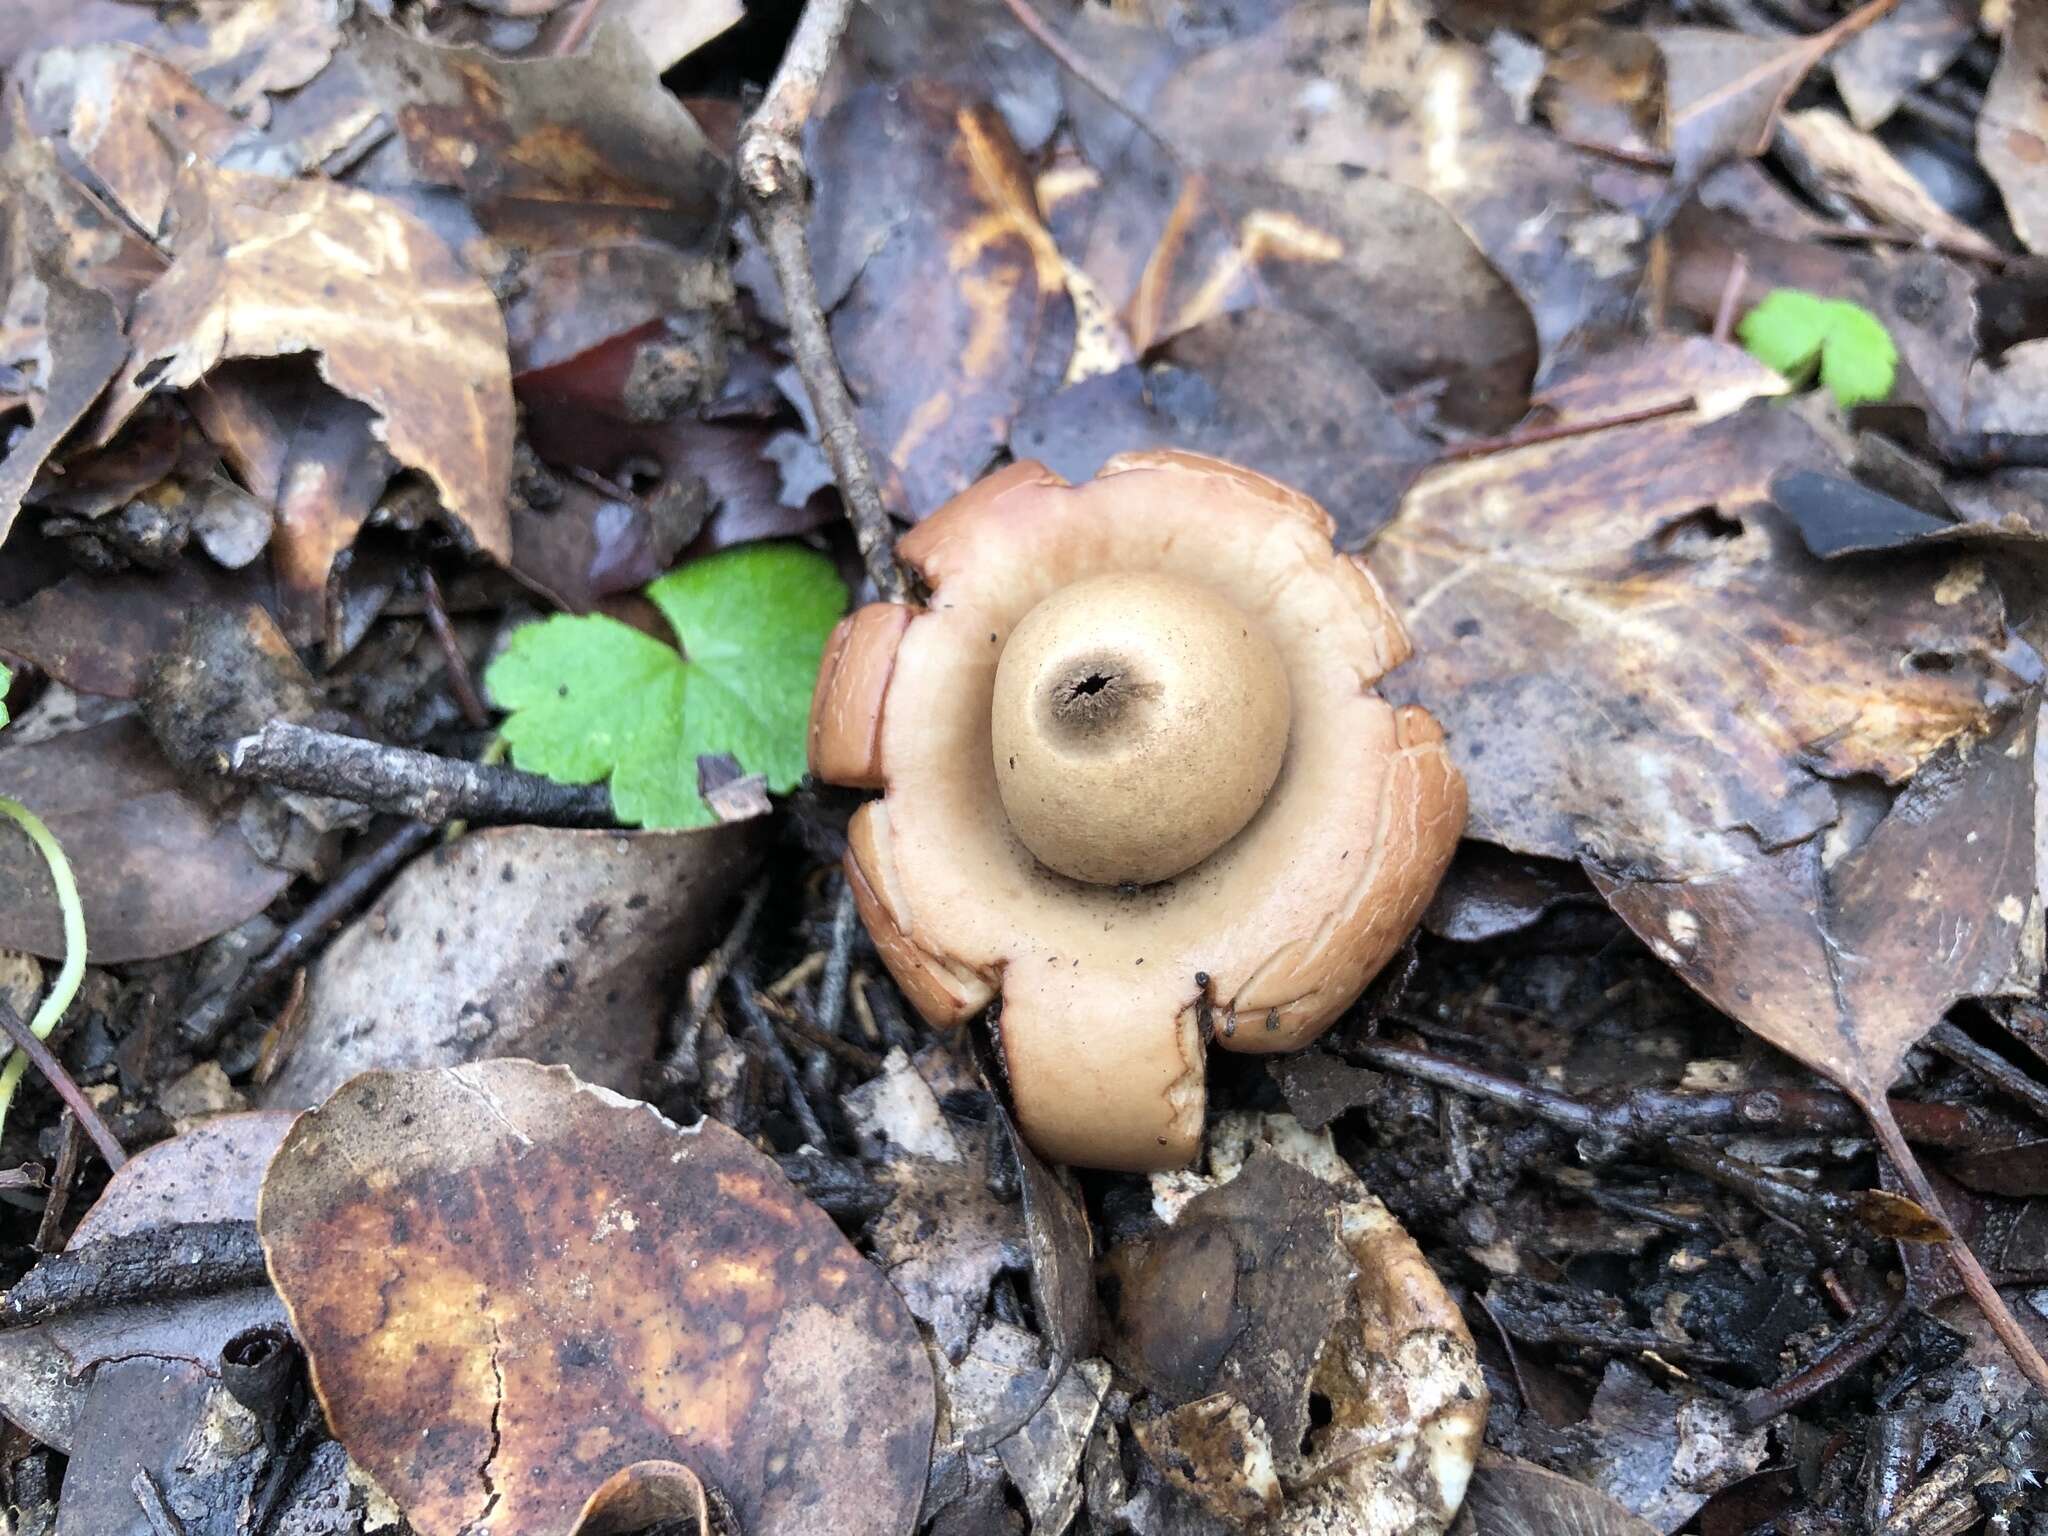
(45, 1061)
(1064, 55)
(1481, 447)
(838, 961)
(199, 1258)
(762, 1029)
(162, 1522)
(49, 1230)
(460, 683)
(1983, 1062)
(407, 783)
(713, 972)
(1975, 1281)
(776, 188)
(1866, 1334)
(1731, 296)
(579, 27)
(339, 897)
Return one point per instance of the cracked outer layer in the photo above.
(1104, 1005)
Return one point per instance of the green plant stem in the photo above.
(73, 971)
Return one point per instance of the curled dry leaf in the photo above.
(1625, 620)
(211, 1173)
(1917, 42)
(157, 871)
(1512, 1497)
(949, 302)
(2012, 129)
(575, 1285)
(539, 940)
(266, 268)
(84, 351)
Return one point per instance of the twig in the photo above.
(408, 783)
(1654, 1114)
(1481, 447)
(49, 1231)
(579, 26)
(838, 961)
(777, 193)
(459, 681)
(45, 1061)
(1731, 296)
(1975, 1281)
(199, 1258)
(1987, 1064)
(762, 1029)
(710, 976)
(162, 1522)
(1867, 1333)
(337, 899)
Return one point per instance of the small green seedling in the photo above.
(591, 698)
(1795, 332)
(69, 908)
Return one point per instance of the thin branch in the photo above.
(1482, 447)
(777, 193)
(1074, 64)
(408, 783)
(459, 681)
(45, 1061)
(1975, 1281)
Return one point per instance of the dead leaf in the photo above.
(398, 325)
(1635, 659)
(552, 153)
(948, 300)
(1605, 85)
(1723, 92)
(85, 352)
(1007, 1380)
(100, 634)
(2012, 130)
(335, 470)
(1232, 388)
(157, 871)
(240, 50)
(548, 942)
(1512, 1497)
(1490, 892)
(576, 1285)
(1845, 956)
(129, 118)
(974, 46)
(210, 1173)
(1380, 268)
(1914, 44)
(1857, 165)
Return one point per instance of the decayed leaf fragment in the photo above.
(84, 350)
(266, 268)
(1391, 1359)
(2012, 128)
(557, 1283)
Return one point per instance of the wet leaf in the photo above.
(85, 352)
(1858, 167)
(949, 305)
(591, 698)
(551, 153)
(1723, 92)
(549, 943)
(399, 326)
(158, 871)
(99, 634)
(2012, 130)
(1845, 957)
(1232, 388)
(210, 1173)
(1636, 660)
(1511, 1497)
(575, 1285)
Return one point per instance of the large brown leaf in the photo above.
(84, 352)
(266, 268)
(556, 1283)
(1636, 659)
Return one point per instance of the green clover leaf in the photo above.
(1794, 332)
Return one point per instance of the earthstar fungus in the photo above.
(1136, 781)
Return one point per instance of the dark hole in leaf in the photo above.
(1931, 661)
